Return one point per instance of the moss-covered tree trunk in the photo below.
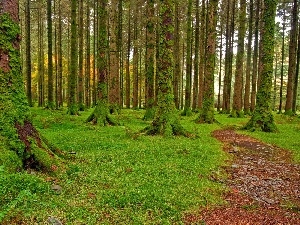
(150, 54)
(50, 102)
(239, 71)
(188, 85)
(262, 118)
(80, 57)
(28, 51)
(248, 64)
(21, 146)
(292, 61)
(114, 76)
(207, 111)
(166, 121)
(72, 104)
(101, 114)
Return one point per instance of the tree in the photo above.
(101, 113)
(50, 103)
(80, 57)
(207, 112)
(21, 144)
(28, 52)
(262, 118)
(238, 84)
(149, 64)
(292, 61)
(166, 121)
(188, 86)
(72, 106)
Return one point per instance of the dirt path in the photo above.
(264, 185)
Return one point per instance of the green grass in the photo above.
(288, 136)
(119, 177)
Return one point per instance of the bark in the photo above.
(166, 121)
(297, 73)
(239, 71)
(207, 111)
(188, 86)
(262, 118)
(88, 58)
(28, 52)
(150, 54)
(248, 65)
(135, 59)
(114, 76)
(255, 57)
(50, 103)
(220, 70)
(177, 69)
(196, 59)
(101, 114)
(21, 144)
(128, 59)
(41, 89)
(292, 61)
(80, 56)
(59, 59)
(72, 107)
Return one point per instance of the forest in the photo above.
(149, 112)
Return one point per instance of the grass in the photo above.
(118, 177)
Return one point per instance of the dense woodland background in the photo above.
(71, 36)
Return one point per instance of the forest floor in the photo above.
(263, 184)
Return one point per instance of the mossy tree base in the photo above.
(236, 114)
(187, 112)
(149, 114)
(261, 122)
(206, 116)
(101, 115)
(289, 113)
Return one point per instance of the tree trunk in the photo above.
(101, 113)
(196, 59)
(255, 57)
(88, 58)
(262, 118)
(59, 59)
(28, 52)
(188, 86)
(248, 65)
(297, 74)
(149, 64)
(207, 111)
(41, 88)
(73, 108)
(292, 61)
(21, 144)
(239, 71)
(114, 76)
(135, 59)
(80, 56)
(166, 121)
(50, 103)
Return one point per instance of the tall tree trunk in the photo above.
(292, 61)
(135, 59)
(72, 107)
(274, 84)
(177, 69)
(128, 59)
(50, 103)
(28, 52)
(239, 71)
(149, 64)
(166, 121)
(101, 114)
(59, 58)
(114, 76)
(120, 50)
(207, 111)
(21, 144)
(41, 88)
(188, 85)
(262, 118)
(248, 65)
(196, 59)
(88, 58)
(297, 73)
(80, 56)
(220, 69)
(255, 57)
(95, 46)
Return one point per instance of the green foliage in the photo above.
(116, 179)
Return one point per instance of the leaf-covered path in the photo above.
(263, 183)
